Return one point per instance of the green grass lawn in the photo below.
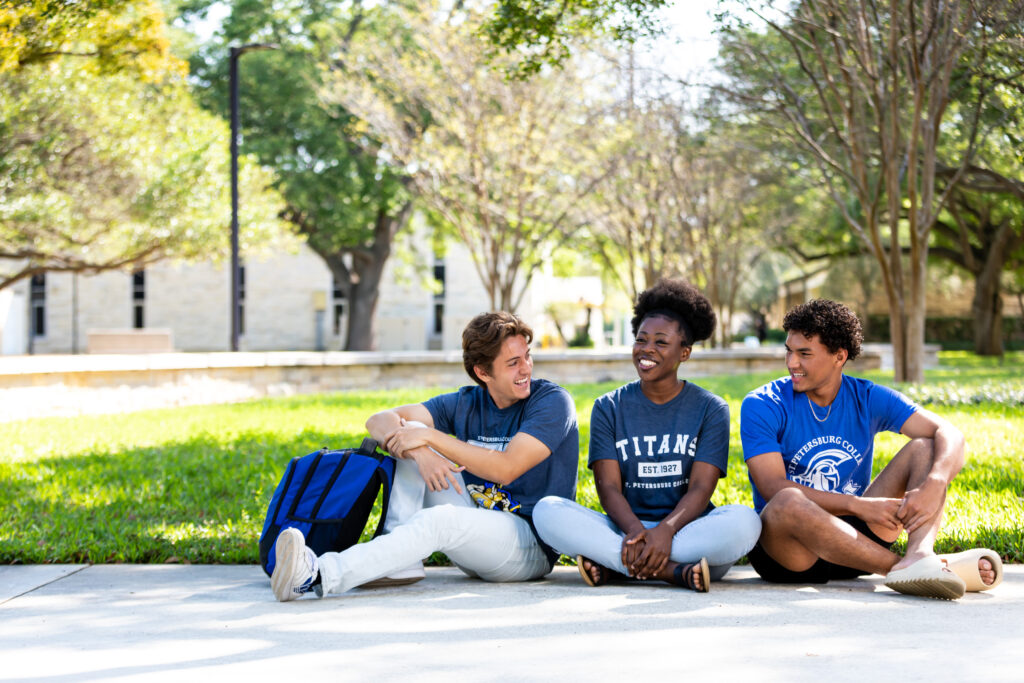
(192, 484)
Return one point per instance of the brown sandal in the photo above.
(685, 576)
(604, 574)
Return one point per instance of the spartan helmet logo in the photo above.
(824, 471)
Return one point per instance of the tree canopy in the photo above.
(542, 32)
(105, 171)
(341, 192)
(109, 35)
(502, 162)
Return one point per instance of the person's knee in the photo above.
(920, 448)
(788, 507)
(748, 526)
(547, 508)
(740, 530)
(548, 515)
(915, 454)
(438, 520)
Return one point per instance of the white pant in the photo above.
(723, 536)
(488, 544)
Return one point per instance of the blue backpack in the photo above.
(328, 496)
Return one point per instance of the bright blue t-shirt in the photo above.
(656, 444)
(833, 454)
(548, 414)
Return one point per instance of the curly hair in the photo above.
(835, 325)
(483, 337)
(680, 301)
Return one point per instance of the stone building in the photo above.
(288, 303)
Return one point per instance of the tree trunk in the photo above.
(367, 269)
(987, 308)
(914, 369)
(362, 313)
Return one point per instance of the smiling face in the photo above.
(658, 349)
(508, 380)
(814, 369)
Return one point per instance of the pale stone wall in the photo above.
(193, 300)
(14, 319)
(282, 293)
(69, 385)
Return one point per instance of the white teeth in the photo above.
(644, 363)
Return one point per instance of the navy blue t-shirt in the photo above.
(656, 444)
(547, 414)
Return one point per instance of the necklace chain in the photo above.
(810, 404)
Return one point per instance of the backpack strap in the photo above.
(386, 481)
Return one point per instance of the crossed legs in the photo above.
(797, 532)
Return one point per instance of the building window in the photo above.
(337, 307)
(139, 299)
(37, 303)
(241, 299)
(439, 275)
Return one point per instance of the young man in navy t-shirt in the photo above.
(471, 464)
(808, 441)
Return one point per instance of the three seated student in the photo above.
(808, 441)
(658, 447)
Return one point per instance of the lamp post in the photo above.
(236, 52)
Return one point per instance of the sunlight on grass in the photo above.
(192, 484)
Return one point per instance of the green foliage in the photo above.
(103, 171)
(192, 484)
(945, 330)
(330, 173)
(501, 163)
(342, 190)
(109, 35)
(541, 32)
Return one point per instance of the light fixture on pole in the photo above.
(236, 52)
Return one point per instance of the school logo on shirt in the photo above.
(494, 443)
(826, 470)
(651, 445)
(660, 469)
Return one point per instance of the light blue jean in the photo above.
(487, 544)
(723, 536)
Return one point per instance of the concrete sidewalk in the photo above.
(174, 622)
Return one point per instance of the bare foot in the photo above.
(985, 568)
(593, 573)
(691, 575)
(987, 571)
(909, 560)
(593, 569)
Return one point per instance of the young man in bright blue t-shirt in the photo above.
(515, 440)
(808, 442)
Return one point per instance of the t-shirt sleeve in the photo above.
(550, 418)
(442, 410)
(889, 409)
(760, 419)
(602, 432)
(713, 447)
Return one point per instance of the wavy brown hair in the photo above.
(483, 337)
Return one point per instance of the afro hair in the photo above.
(835, 325)
(684, 302)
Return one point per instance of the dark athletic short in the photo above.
(820, 572)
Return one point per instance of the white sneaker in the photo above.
(296, 566)
(402, 577)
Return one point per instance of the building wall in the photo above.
(287, 304)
